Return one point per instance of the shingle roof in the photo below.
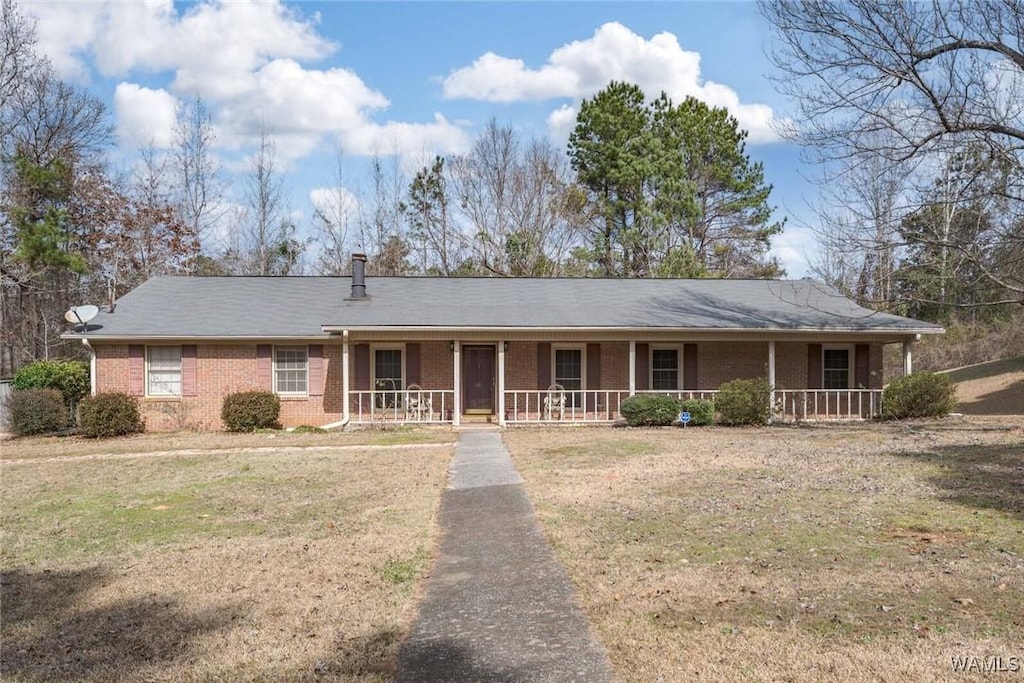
(302, 306)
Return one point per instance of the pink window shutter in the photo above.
(316, 369)
(188, 370)
(264, 367)
(136, 369)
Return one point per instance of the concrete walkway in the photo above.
(498, 605)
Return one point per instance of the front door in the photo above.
(478, 379)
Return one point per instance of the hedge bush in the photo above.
(109, 414)
(248, 411)
(920, 394)
(702, 412)
(36, 411)
(69, 377)
(649, 410)
(744, 402)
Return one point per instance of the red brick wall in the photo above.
(222, 369)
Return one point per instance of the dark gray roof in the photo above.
(302, 306)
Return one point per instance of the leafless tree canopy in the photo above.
(887, 89)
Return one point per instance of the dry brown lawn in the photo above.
(163, 442)
(845, 553)
(285, 564)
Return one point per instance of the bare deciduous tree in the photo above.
(913, 81)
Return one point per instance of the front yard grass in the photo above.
(853, 553)
(290, 564)
(158, 442)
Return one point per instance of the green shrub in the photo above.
(920, 394)
(36, 411)
(308, 429)
(69, 377)
(650, 410)
(248, 411)
(744, 402)
(702, 412)
(109, 414)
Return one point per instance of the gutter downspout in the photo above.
(92, 366)
(346, 412)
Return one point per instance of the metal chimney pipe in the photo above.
(358, 276)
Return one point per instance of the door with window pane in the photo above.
(569, 374)
(387, 375)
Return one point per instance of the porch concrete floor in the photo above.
(498, 605)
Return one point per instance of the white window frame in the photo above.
(273, 369)
(149, 392)
(373, 364)
(582, 348)
(679, 365)
(850, 361)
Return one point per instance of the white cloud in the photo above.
(338, 203)
(246, 60)
(144, 116)
(413, 142)
(790, 247)
(561, 122)
(582, 68)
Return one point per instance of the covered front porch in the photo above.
(559, 380)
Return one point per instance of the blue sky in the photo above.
(413, 79)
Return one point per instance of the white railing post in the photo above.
(501, 383)
(632, 368)
(457, 367)
(346, 409)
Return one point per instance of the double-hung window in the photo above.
(569, 374)
(835, 368)
(163, 376)
(291, 370)
(665, 369)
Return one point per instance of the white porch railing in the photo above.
(545, 405)
(708, 395)
(796, 405)
(436, 406)
(419, 406)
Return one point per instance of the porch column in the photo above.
(457, 400)
(771, 379)
(346, 409)
(908, 357)
(632, 368)
(501, 382)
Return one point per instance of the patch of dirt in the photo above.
(995, 388)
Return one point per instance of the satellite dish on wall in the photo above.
(80, 315)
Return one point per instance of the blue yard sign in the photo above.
(684, 417)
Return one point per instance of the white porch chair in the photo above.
(554, 402)
(418, 404)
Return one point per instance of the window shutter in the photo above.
(265, 367)
(543, 366)
(593, 373)
(593, 366)
(862, 365)
(188, 370)
(690, 367)
(136, 369)
(643, 381)
(412, 364)
(814, 380)
(315, 356)
(361, 369)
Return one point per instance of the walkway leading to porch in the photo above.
(498, 605)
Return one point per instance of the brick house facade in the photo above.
(357, 350)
